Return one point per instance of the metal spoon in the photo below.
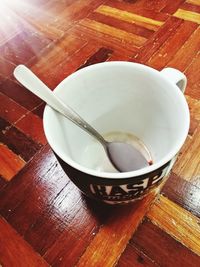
(123, 156)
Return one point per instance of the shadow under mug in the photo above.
(120, 97)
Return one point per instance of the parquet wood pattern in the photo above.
(44, 219)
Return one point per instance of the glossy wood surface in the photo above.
(44, 219)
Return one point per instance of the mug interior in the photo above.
(118, 97)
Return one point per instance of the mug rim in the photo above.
(130, 174)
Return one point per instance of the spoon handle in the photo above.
(29, 80)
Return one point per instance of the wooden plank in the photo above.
(148, 4)
(121, 24)
(140, 8)
(172, 6)
(21, 205)
(10, 110)
(59, 52)
(188, 51)
(17, 50)
(177, 222)
(101, 55)
(80, 232)
(19, 143)
(63, 253)
(194, 107)
(10, 163)
(121, 35)
(6, 69)
(148, 23)
(115, 234)
(193, 103)
(55, 205)
(52, 30)
(193, 76)
(162, 248)
(4, 124)
(24, 46)
(104, 40)
(62, 214)
(190, 7)
(57, 17)
(194, 2)
(157, 40)
(187, 15)
(133, 256)
(47, 19)
(32, 126)
(3, 183)
(39, 110)
(55, 57)
(9, 27)
(19, 94)
(14, 251)
(119, 57)
(193, 126)
(67, 66)
(184, 193)
(172, 45)
(185, 167)
(79, 9)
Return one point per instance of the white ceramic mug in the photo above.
(119, 97)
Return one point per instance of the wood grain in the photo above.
(189, 50)
(157, 40)
(32, 126)
(194, 107)
(148, 23)
(172, 7)
(161, 57)
(184, 167)
(101, 55)
(193, 75)
(190, 7)
(14, 251)
(176, 221)
(10, 164)
(114, 32)
(115, 234)
(18, 193)
(132, 256)
(3, 182)
(19, 94)
(6, 68)
(10, 110)
(23, 46)
(161, 248)
(195, 2)
(187, 15)
(120, 23)
(184, 193)
(19, 143)
(143, 8)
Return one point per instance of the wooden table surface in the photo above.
(44, 219)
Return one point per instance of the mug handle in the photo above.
(176, 77)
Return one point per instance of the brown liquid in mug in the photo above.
(95, 158)
(133, 155)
